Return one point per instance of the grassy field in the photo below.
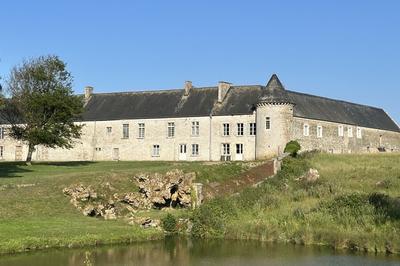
(341, 209)
(34, 213)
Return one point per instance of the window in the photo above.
(240, 129)
(350, 132)
(226, 129)
(2, 130)
(226, 149)
(109, 130)
(141, 131)
(267, 123)
(125, 131)
(358, 133)
(98, 149)
(239, 148)
(340, 131)
(156, 150)
(1, 151)
(171, 129)
(253, 129)
(195, 128)
(319, 131)
(306, 130)
(195, 149)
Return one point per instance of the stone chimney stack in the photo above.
(223, 88)
(88, 93)
(188, 86)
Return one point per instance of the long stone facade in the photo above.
(261, 132)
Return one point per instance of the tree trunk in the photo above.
(30, 151)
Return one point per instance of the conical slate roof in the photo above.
(274, 92)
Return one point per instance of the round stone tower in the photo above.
(274, 117)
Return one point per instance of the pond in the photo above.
(175, 252)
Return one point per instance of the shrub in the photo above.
(292, 147)
(210, 218)
(390, 207)
(169, 223)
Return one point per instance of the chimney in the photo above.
(88, 93)
(188, 87)
(223, 88)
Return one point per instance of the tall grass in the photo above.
(346, 208)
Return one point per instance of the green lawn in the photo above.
(34, 213)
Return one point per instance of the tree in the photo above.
(42, 108)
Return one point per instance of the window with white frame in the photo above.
(109, 130)
(156, 150)
(171, 129)
(225, 129)
(125, 131)
(195, 128)
(240, 129)
(1, 151)
(350, 132)
(226, 149)
(319, 131)
(253, 129)
(267, 123)
(2, 130)
(141, 130)
(195, 149)
(239, 148)
(340, 130)
(306, 130)
(359, 132)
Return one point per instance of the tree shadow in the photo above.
(16, 169)
(66, 164)
(12, 169)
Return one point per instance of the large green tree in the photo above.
(41, 107)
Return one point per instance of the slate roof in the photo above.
(239, 100)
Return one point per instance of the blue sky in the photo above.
(346, 50)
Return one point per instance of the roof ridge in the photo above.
(332, 99)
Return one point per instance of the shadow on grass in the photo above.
(13, 169)
(16, 169)
(66, 164)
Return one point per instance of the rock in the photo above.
(80, 193)
(310, 176)
(162, 191)
(147, 222)
(110, 214)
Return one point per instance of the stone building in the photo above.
(224, 122)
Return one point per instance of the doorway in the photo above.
(116, 154)
(182, 152)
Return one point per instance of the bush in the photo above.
(390, 207)
(209, 220)
(169, 223)
(292, 147)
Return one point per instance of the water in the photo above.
(197, 252)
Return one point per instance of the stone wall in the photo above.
(330, 141)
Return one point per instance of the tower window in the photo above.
(267, 122)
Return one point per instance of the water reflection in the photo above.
(175, 252)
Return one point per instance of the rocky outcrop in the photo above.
(162, 190)
(172, 189)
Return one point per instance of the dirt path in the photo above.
(246, 179)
